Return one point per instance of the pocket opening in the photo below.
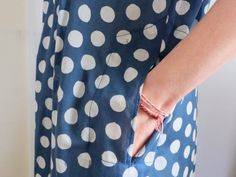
(150, 143)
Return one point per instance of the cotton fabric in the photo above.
(92, 60)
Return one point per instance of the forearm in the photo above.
(210, 44)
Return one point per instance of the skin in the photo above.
(210, 45)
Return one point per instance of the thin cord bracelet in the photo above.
(153, 111)
(145, 99)
(159, 118)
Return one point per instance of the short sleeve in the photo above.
(206, 5)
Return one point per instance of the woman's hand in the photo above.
(144, 126)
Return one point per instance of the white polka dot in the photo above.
(113, 59)
(48, 103)
(50, 20)
(193, 156)
(84, 160)
(41, 162)
(186, 152)
(75, 38)
(109, 159)
(97, 38)
(71, 116)
(181, 31)
(177, 124)
(194, 135)
(44, 141)
(132, 122)
(133, 12)
(84, 13)
(51, 163)
(130, 74)
(150, 31)
(162, 139)
(67, 65)
(35, 106)
(79, 89)
(45, 7)
(50, 82)
(64, 141)
(37, 86)
(182, 7)
(42, 66)
(195, 114)
(102, 81)
(55, 34)
(38, 175)
(52, 60)
(160, 163)
(130, 172)
(129, 149)
(63, 17)
(118, 103)
(174, 147)
(188, 130)
(91, 108)
(163, 46)
(45, 42)
(61, 165)
(185, 174)
(167, 18)
(88, 62)
(159, 5)
(196, 92)
(113, 130)
(123, 37)
(141, 54)
(59, 94)
(59, 44)
(54, 117)
(107, 14)
(88, 134)
(53, 141)
(189, 107)
(192, 174)
(175, 169)
(47, 123)
(149, 158)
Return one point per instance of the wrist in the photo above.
(158, 94)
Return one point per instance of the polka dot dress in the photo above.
(92, 60)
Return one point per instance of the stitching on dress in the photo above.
(135, 31)
(119, 161)
(142, 28)
(182, 31)
(107, 161)
(99, 83)
(90, 108)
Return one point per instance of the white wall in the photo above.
(217, 124)
(34, 27)
(14, 135)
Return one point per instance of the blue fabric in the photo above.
(92, 60)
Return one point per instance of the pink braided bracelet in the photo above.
(153, 111)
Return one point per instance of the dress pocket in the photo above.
(151, 143)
